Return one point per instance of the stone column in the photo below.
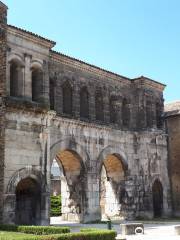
(45, 93)
(27, 78)
(76, 102)
(106, 107)
(92, 114)
(93, 211)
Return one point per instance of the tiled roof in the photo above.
(91, 65)
(33, 34)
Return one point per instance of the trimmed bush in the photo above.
(56, 205)
(36, 230)
(43, 230)
(8, 227)
(91, 229)
(93, 235)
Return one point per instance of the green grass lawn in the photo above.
(13, 235)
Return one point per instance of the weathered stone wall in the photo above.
(172, 113)
(26, 155)
(123, 131)
(144, 153)
(3, 47)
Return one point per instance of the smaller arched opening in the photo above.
(67, 98)
(111, 183)
(84, 103)
(16, 78)
(28, 202)
(157, 194)
(37, 84)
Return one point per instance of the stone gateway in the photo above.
(103, 129)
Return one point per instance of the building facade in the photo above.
(104, 130)
(172, 116)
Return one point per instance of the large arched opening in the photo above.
(72, 185)
(157, 193)
(111, 186)
(28, 202)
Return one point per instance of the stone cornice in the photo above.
(149, 83)
(76, 63)
(32, 37)
(2, 5)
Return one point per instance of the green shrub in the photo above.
(56, 205)
(43, 230)
(93, 235)
(8, 227)
(91, 229)
(37, 230)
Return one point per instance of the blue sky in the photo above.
(129, 37)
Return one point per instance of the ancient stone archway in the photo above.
(73, 188)
(28, 201)
(157, 192)
(112, 180)
(23, 184)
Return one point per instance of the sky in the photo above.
(129, 37)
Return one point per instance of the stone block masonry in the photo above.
(3, 50)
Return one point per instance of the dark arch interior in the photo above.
(37, 84)
(15, 79)
(157, 191)
(28, 202)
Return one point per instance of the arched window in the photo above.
(113, 109)
(158, 115)
(149, 120)
(37, 84)
(51, 92)
(125, 113)
(16, 79)
(67, 98)
(84, 103)
(99, 106)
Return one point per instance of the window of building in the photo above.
(158, 115)
(51, 92)
(37, 84)
(125, 113)
(84, 103)
(149, 117)
(67, 98)
(16, 79)
(113, 110)
(99, 106)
